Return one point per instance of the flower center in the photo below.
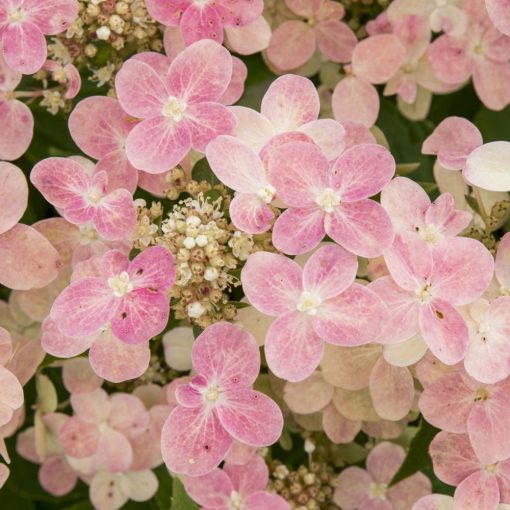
(267, 193)
(212, 394)
(378, 490)
(328, 200)
(504, 291)
(201, 3)
(309, 303)
(103, 426)
(491, 468)
(95, 196)
(16, 15)
(120, 284)
(174, 108)
(441, 3)
(430, 234)
(236, 501)
(481, 394)
(424, 293)
(88, 234)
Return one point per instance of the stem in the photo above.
(483, 212)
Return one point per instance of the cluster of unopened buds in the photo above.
(241, 284)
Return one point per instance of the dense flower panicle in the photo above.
(312, 305)
(23, 25)
(218, 405)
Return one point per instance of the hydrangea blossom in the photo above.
(499, 14)
(12, 392)
(236, 486)
(442, 502)
(314, 304)
(218, 405)
(131, 296)
(427, 286)
(359, 489)
(180, 109)
(478, 484)
(23, 25)
(331, 201)
(84, 198)
(294, 42)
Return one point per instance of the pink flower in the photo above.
(11, 397)
(291, 103)
(236, 486)
(242, 169)
(317, 303)
(218, 406)
(67, 75)
(129, 295)
(359, 489)
(481, 53)
(499, 13)
(23, 25)
(442, 502)
(411, 210)
(16, 129)
(28, 259)
(206, 19)
(333, 201)
(452, 141)
(84, 198)
(294, 42)
(102, 426)
(179, 109)
(428, 286)
(479, 485)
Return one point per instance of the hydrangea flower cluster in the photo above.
(264, 263)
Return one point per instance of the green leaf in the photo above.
(407, 168)
(203, 172)
(418, 456)
(180, 499)
(163, 497)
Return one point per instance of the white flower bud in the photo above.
(193, 221)
(195, 310)
(103, 33)
(201, 240)
(211, 274)
(189, 243)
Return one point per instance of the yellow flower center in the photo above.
(174, 108)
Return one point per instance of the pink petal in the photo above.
(168, 13)
(250, 214)
(128, 415)
(193, 442)
(252, 128)
(329, 271)
(56, 476)
(352, 318)
(235, 88)
(60, 180)
(160, 63)
(452, 457)
(445, 217)
(487, 80)
(355, 100)
(364, 228)
(140, 315)
(479, 490)
(447, 402)
(378, 58)
(450, 60)
(500, 14)
(362, 171)
(153, 268)
(299, 230)
(384, 461)
(353, 485)
(463, 269)
(251, 38)
(251, 417)
(409, 261)
(106, 491)
(292, 44)
(328, 134)
(57, 344)
(51, 16)
(78, 376)
(434, 502)
(339, 429)
(29, 261)
(336, 40)
(13, 195)
(24, 47)
(263, 500)
(485, 167)
(404, 494)
(392, 390)
(12, 393)
(444, 330)
(293, 349)
(140, 90)
(99, 125)
(201, 22)
(79, 438)
(452, 141)
(206, 121)
(502, 265)
(157, 144)
(73, 81)
(84, 307)
(115, 216)
(227, 355)
(290, 102)
(239, 13)
(121, 173)
(200, 73)
(271, 282)
(308, 396)
(117, 361)
(16, 130)
(114, 451)
(236, 165)
(211, 490)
